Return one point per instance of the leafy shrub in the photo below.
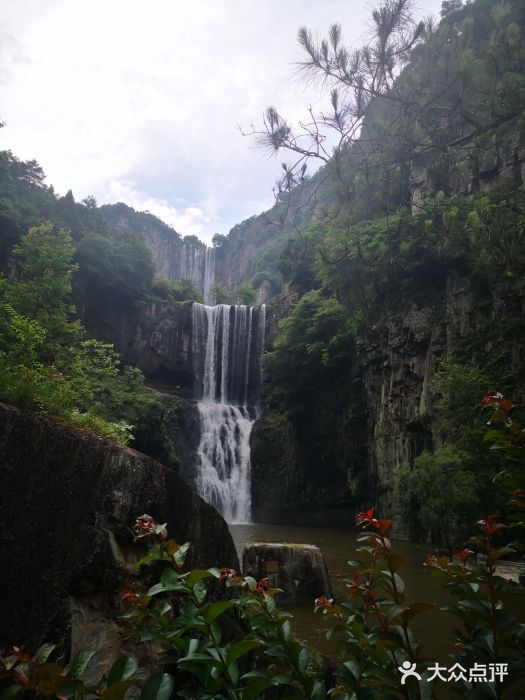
(245, 294)
(175, 290)
(46, 364)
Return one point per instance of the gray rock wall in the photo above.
(400, 357)
(475, 166)
(66, 503)
(159, 342)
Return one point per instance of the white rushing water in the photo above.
(227, 347)
(198, 265)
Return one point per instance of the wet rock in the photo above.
(299, 569)
(66, 503)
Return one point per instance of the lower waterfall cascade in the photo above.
(227, 347)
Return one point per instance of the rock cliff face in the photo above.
(342, 454)
(164, 242)
(309, 466)
(66, 503)
(252, 248)
(159, 342)
(399, 359)
(476, 166)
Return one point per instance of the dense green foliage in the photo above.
(46, 362)
(200, 654)
(245, 294)
(175, 290)
(115, 275)
(427, 190)
(220, 294)
(69, 268)
(315, 343)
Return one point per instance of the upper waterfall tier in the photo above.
(227, 347)
(198, 265)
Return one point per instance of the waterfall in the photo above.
(198, 265)
(227, 348)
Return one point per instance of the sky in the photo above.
(141, 102)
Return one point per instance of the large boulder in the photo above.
(66, 503)
(298, 569)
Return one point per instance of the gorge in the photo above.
(351, 358)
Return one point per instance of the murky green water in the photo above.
(338, 545)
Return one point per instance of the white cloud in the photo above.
(191, 220)
(143, 99)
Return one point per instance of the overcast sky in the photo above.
(138, 102)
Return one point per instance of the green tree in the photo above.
(245, 294)
(448, 6)
(46, 364)
(220, 294)
(44, 284)
(116, 266)
(440, 494)
(176, 290)
(315, 344)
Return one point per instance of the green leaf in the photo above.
(77, 667)
(43, 653)
(400, 584)
(263, 675)
(394, 611)
(197, 575)
(233, 672)
(193, 645)
(477, 605)
(252, 583)
(158, 687)
(213, 610)
(241, 648)
(355, 564)
(287, 630)
(170, 577)
(180, 554)
(417, 609)
(302, 661)
(255, 688)
(122, 669)
(493, 434)
(118, 690)
(172, 582)
(199, 591)
(281, 679)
